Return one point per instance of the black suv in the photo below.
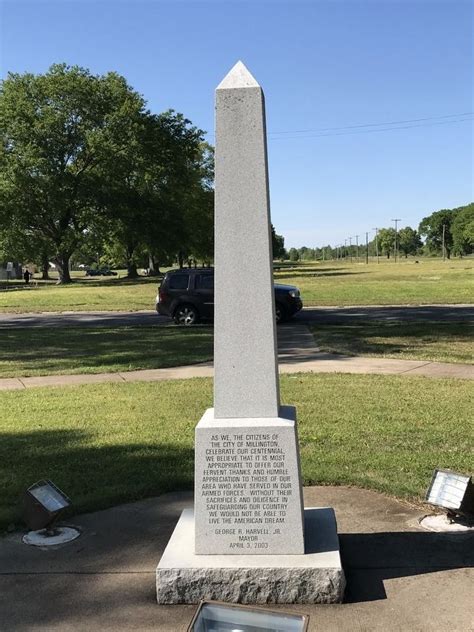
(188, 295)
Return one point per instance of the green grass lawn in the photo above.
(323, 283)
(437, 342)
(84, 295)
(388, 283)
(110, 443)
(41, 351)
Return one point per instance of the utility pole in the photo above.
(376, 243)
(444, 243)
(366, 248)
(345, 248)
(350, 248)
(396, 234)
(357, 247)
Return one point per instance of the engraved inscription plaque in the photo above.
(248, 486)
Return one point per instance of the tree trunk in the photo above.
(62, 263)
(132, 272)
(153, 267)
(45, 267)
(180, 259)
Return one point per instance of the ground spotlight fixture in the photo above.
(43, 503)
(215, 616)
(451, 491)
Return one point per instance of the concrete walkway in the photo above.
(297, 353)
(399, 577)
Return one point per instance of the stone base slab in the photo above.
(314, 577)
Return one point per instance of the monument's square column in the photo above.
(245, 352)
(245, 541)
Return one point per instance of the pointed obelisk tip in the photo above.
(238, 77)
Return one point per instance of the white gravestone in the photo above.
(245, 541)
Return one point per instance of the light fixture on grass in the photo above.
(451, 491)
(214, 616)
(43, 503)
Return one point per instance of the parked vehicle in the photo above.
(187, 295)
(100, 272)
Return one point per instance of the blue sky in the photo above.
(335, 64)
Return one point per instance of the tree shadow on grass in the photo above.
(397, 339)
(116, 281)
(78, 350)
(316, 274)
(94, 476)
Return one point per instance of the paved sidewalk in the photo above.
(399, 576)
(297, 353)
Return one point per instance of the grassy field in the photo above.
(84, 295)
(41, 351)
(111, 443)
(388, 283)
(437, 342)
(329, 283)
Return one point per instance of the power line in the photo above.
(371, 131)
(355, 127)
(417, 120)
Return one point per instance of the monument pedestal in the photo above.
(248, 497)
(313, 577)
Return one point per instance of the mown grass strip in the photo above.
(42, 351)
(430, 341)
(111, 443)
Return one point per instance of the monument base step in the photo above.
(314, 577)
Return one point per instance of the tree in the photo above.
(278, 245)
(386, 241)
(463, 230)
(58, 132)
(431, 227)
(160, 195)
(409, 241)
(293, 254)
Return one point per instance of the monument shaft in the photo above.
(245, 358)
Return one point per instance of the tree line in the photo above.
(443, 233)
(87, 172)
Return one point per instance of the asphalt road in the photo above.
(309, 315)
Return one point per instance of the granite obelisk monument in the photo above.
(248, 538)
(248, 491)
